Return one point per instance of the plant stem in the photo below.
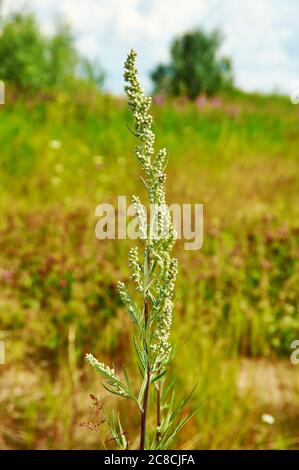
(146, 391)
(148, 372)
(158, 434)
(144, 412)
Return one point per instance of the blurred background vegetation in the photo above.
(195, 68)
(65, 147)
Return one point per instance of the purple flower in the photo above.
(215, 102)
(201, 100)
(159, 100)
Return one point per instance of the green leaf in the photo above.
(140, 354)
(113, 429)
(122, 435)
(168, 388)
(126, 377)
(142, 390)
(132, 308)
(154, 379)
(182, 403)
(164, 443)
(153, 265)
(146, 289)
(114, 392)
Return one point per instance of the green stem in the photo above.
(148, 371)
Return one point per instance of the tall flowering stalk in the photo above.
(154, 279)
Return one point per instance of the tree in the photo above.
(62, 57)
(22, 53)
(195, 66)
(33, 61)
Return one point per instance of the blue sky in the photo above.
(261, 36)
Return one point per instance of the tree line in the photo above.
(36, 62)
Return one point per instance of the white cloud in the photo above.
(261, 37)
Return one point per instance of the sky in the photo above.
(261, 36)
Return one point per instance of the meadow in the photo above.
(237, 298)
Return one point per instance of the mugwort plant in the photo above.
(154, 276)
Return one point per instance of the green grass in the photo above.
(237, 298)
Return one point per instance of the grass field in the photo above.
(237, 298)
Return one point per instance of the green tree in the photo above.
(62, 57)
(33, 61)
(22, 53)
(195, 66)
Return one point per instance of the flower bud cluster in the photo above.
(164, 306)
(135, 268)
(141, 214)
(109, 374)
